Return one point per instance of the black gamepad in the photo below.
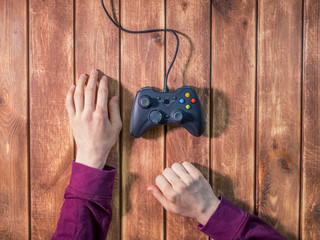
(181, 108)
(151, 108)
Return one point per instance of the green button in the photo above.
(188, 106)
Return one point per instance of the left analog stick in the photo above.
(145, 102)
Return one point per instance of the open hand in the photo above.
(95, 122)
(183, 190)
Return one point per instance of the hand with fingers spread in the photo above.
(95, 121)
(183, 190)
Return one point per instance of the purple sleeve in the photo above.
(230, 222)
(86, 212)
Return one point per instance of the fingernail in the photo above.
(104, 77)
(94, 71)
(116, 99)
(83, 76)
(150, 190)
(72, 87)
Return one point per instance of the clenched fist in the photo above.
(183, 190)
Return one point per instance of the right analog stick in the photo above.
(156, 116)
(178, 116)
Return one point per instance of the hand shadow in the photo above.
(223, 185)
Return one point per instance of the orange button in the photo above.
(187, 95)
(193, 100)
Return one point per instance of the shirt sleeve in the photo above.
(230, 222)
(86, 212)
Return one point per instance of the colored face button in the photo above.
(193, 100)
(188, 106)
(182, 101)
(187, 95)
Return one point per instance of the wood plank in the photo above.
(97, 47)
(233, 100)
(51, 143)
(310, 209)
(278, 123)
(142, 64)
(192, 67)
(14, 220)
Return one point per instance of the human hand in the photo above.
(183, 190)
(96, 123)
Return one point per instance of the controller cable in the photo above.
(165, 88)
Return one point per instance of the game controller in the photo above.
(180, 108)
(151, 108)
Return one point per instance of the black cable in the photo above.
(165, 87)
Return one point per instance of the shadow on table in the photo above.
(223, 185)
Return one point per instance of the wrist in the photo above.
(204, 216)
(91, 161)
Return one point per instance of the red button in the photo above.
(193, 100)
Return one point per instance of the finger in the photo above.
(173, 178)
(159, 196)
(70, 102)
(90, 95)
(182, 173)
(78, 94)
(165, 187)
(194, 172)
(114, 112)
(102, 98)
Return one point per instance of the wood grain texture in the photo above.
(233, 100)
(192, 68)
(51, 143)
(14, 220)
(310, 198)
(97, 47)
(278, 123)
(142, 64)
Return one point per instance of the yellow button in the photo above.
(187, 95)
(188, 106)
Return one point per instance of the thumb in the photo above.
(114, 112)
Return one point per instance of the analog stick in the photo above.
(145, 102)
(156, 116)
(178, 116)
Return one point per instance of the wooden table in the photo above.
(254, 64)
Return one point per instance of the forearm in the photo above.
(86, 212)
(230, 222)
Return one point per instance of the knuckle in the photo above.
(180, 188)
(78, 93)
(103, 90)
(87, 116)
(80, 81)
(89, 88)
(119, 126)
(173, 197)
(188, 182)
(197, 177)
(100, 110)
(99, 116)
